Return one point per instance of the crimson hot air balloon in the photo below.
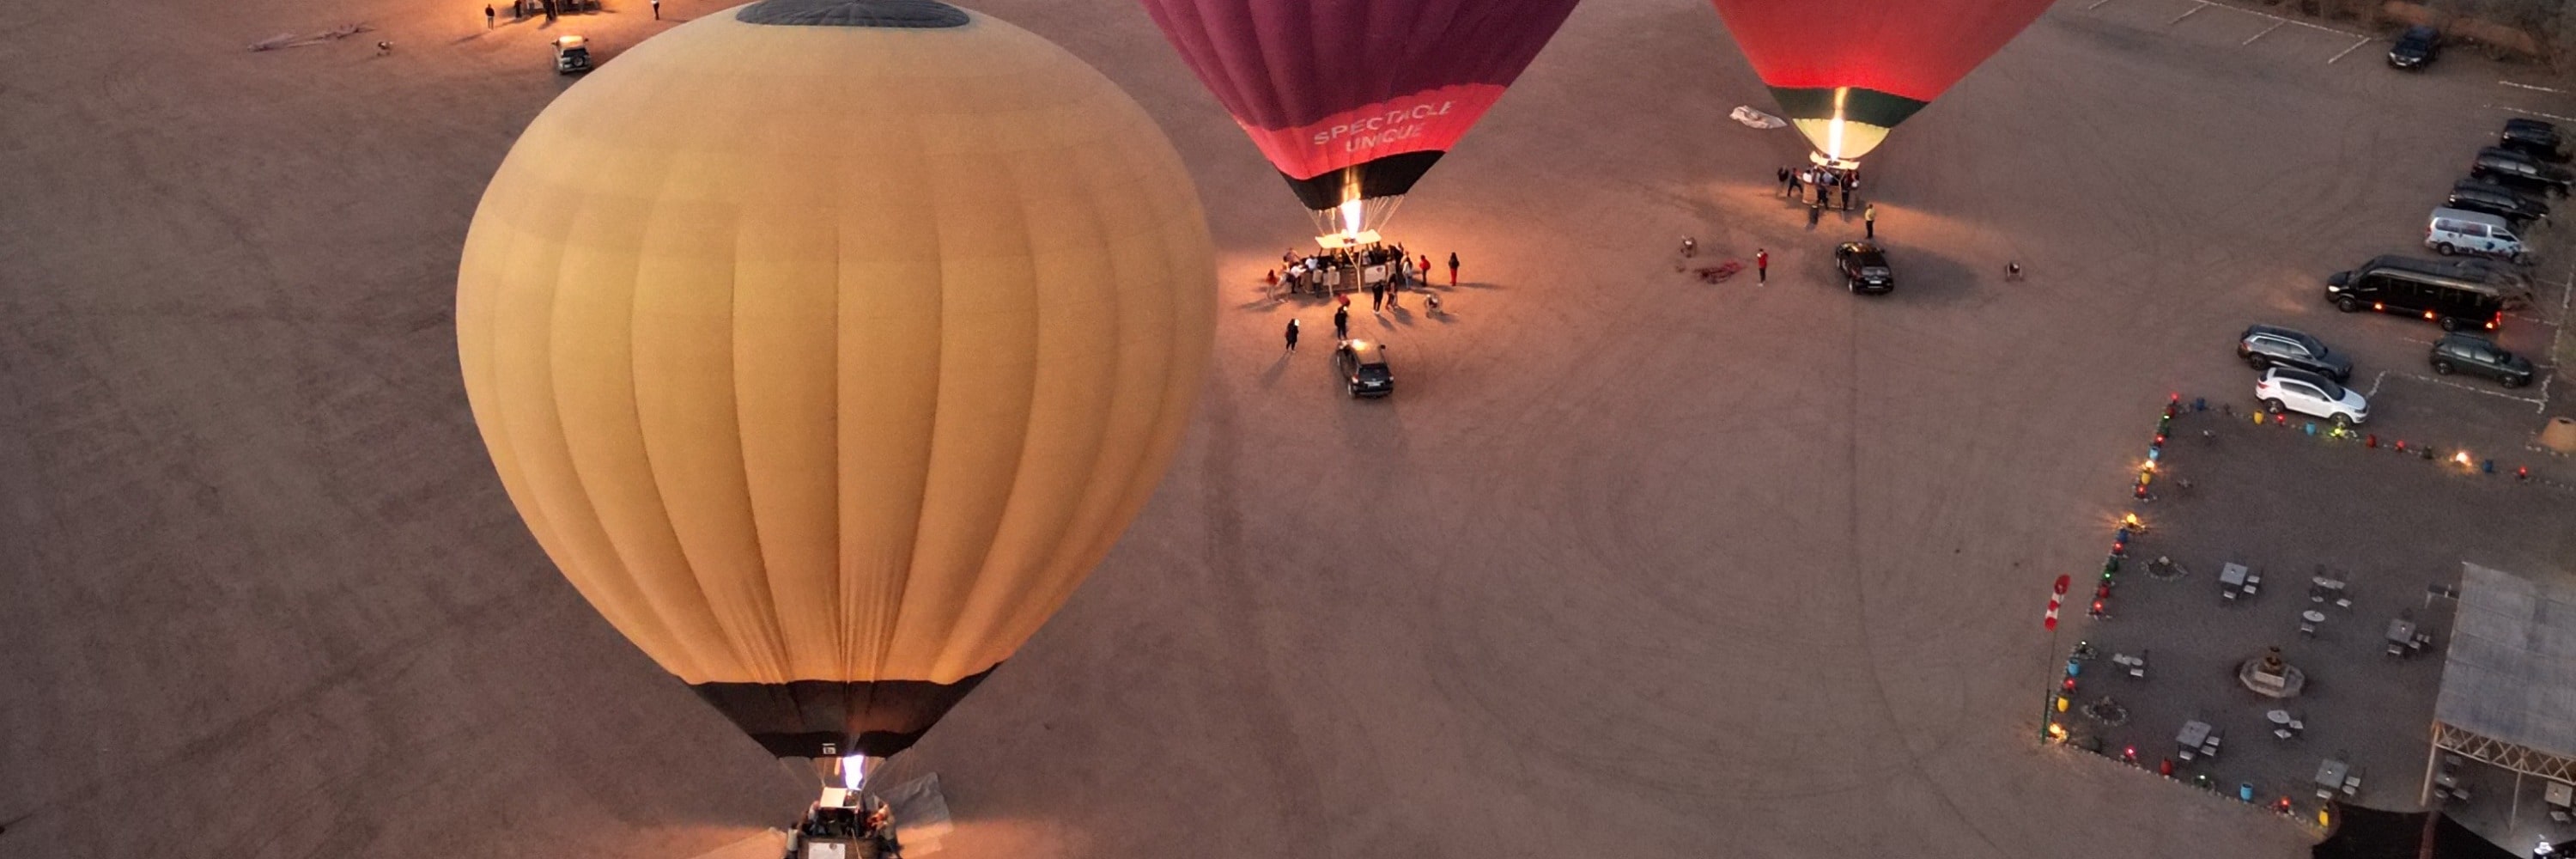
(1354, 99)
(1846, 71)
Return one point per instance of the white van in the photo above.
(2458, 231)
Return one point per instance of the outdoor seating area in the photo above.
(2327, 668)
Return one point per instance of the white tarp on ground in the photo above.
(2511, 672)
(1755, 118)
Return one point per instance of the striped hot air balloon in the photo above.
(826, 345)
(1847, 71)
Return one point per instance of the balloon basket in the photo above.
(908, 819)
(1831, 163)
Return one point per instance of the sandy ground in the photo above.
(1631, 566)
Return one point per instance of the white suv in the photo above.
(2283, 389)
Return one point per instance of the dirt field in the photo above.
(1630, 566)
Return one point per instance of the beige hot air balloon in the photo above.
(826, 345)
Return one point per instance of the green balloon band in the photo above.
(1866, 106)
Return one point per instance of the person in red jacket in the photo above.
(1761, 265)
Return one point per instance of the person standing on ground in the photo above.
(657, 10)
(1453, 269)
(1869, 221)
(1341, 323)
(1690, 247)
(1761, 266)
(1793, 182)
(1377, 297)
(2012, 270)
(489, 16)
(1783, 179)
(1816, 210)
(1292, 336)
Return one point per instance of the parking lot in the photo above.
(2317, 522)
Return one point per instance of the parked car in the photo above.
(572, 54)
(2268, 346)
(1363, 368)
(2516, 170)
(2416, 47)
(1864, 267)
(2455, 293)
(2495, 199)
(2283, 389)
(2537, 138)
(2454, 231)
(2475, 355)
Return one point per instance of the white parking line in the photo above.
(2533, 113)
(2177, 19)
(2097, 4)
(2528, 86)
(2305, 24)
(2266, 32)
(2541, 403)
(2374, 384)
(2356, 45)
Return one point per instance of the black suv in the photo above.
(2478, 355)
(1363, 367)
(2533, 137)
(2267, 346)
(2416, 47)
(2515, 170)
(2496, 200)
(1864, 267)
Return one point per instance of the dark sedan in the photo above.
(2416, 47)
(2497, 200)
(2533, 137)
(1864, 267)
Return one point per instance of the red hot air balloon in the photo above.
(1354, 99)
(1846, 71)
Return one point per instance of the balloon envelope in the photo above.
(1355, 99)
(1846, 71)
(826, 346)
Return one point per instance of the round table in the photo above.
(2278, 717)
(2313, 616)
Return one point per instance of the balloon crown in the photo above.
(907, 14)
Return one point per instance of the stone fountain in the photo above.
(2270, 677)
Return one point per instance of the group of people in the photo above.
(1382, 270)
(1825, 181)
(871, 823)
